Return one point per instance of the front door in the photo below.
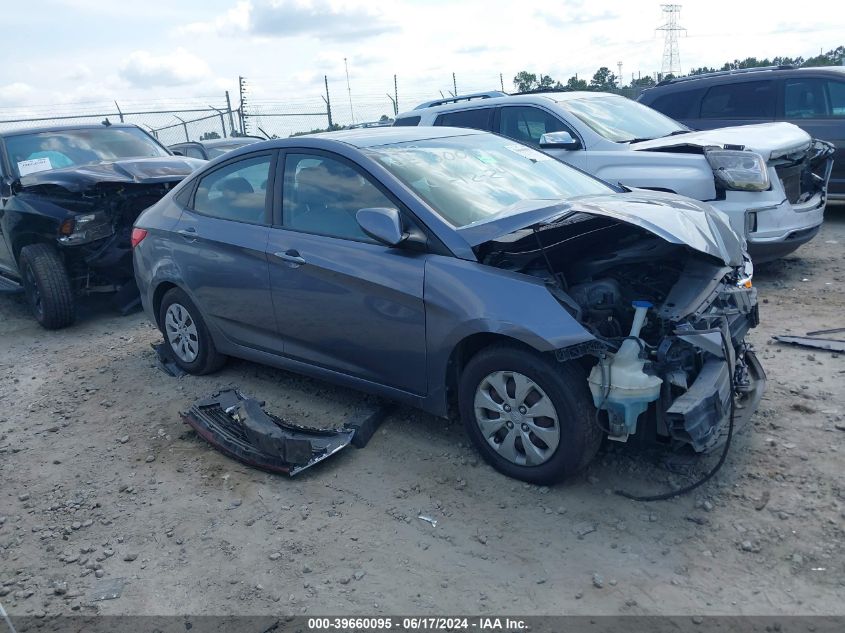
(528, 123)
(343, 301)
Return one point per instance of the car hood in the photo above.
(674, 218)
(771, 140)
(133, 170)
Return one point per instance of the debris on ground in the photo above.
(238, 426)
(830, 344)
(165, 361)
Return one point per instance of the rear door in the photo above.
(526, 124)
(343, 301)
(220, 248)
(817, 105)
(739, 103)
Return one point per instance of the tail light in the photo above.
(138, 236)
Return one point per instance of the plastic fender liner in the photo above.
(238, 426)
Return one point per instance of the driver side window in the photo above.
(527, 124)
(322, 195)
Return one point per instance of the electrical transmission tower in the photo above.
(671, 28)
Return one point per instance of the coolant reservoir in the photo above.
(630, 388)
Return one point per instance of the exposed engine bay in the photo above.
(95, 234)
(669, 324)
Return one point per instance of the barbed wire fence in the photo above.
(264, 108)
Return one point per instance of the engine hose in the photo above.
(682, 491)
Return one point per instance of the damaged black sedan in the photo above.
(441, 266)
(69, 198)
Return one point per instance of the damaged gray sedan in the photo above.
(438, 266)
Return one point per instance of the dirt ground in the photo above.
(100, 482)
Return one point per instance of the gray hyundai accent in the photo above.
(441, 266)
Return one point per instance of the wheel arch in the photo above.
(468, 347)
(158, 297)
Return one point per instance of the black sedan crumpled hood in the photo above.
(132, 170)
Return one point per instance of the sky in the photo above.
(71, 54)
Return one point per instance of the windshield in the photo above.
(472, 178)
(622, 120)
(43, 151)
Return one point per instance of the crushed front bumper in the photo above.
(706, 364)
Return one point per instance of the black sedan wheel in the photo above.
(530, 416)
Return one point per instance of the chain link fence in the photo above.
(334, 106)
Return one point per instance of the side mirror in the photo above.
(382, 224)
(559, 140)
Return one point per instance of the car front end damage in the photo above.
(669, 307)
(94, 208)
(770, 179)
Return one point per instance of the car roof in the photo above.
(533, 98)
(217, 142)
(61, 128)
(376, 136)
(742, 75)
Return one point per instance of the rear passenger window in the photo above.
(749, 100)
(678, 105)
(476, 119)
(236, 192)
(813, 98)
(408, 120)
(528, 124)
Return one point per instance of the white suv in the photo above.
(770, 179)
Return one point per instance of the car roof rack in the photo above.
(722, 73)
(491, 94)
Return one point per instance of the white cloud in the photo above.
(321, 19)
(143, 69)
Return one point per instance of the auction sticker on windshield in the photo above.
(34, 165)
(528, 152)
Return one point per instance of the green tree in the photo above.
(643, 82)
(209, 136)
(525, 81)
(603, 80)
(573, 83)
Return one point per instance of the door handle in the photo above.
(292, 257)
(189, 233)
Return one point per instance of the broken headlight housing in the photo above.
(738, 170)
(85, 228)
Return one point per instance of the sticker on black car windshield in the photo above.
(34, 165)
(527, 152)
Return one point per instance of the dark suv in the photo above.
(68, 198)
(811, 98)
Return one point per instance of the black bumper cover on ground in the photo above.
(238, 426)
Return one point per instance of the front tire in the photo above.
(529, 416)
(186, 334)
(47, 286)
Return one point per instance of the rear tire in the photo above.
(47, 286)
(511, 432)
(186, 335)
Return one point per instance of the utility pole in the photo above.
(671, 57)
(328, 101)
(455, 84)
(619, 66)
(348, 90)
(395, 94)
(242, 90)
(231, 118)
(502, 82)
